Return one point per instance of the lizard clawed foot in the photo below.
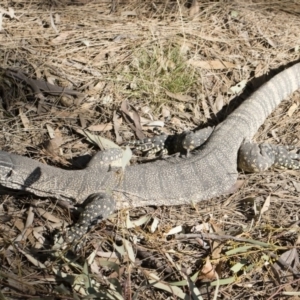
(97, 207)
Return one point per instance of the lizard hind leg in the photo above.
(260, 157)
(151, 145)
(173, 144)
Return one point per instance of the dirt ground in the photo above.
(178, 66)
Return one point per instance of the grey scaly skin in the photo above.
(208, 172)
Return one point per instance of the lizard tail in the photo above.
(253, 112)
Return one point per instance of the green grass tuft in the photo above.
(156, 70)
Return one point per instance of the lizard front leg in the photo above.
(97, 206)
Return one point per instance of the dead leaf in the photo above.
(292, 109)
(288, 261)
(107, 99)
(129, 250)
(146, 110)
(180, 97)
(10, 12)
(267, 38)
(216, 246)
(100, 141)
(52, 22)
(238, 184)
(38, 237)
(186, 48)
(174, 230)
(50, 131)
(97, 88)
(219, 103)
(135, 119)
(82, 120)
(29, 220)
(48, 216)
(52, 147)
(176, 122)
(259, 71)
(207, 271)
(156, 124)
(33, 260)
(166, 113)
(212, 64)
(24, 119)
(19, 224)
(66, 114)
(101, 127)
(274, 135)
(49, 77)
(205, 108)
(137, 123)
(30, 217)
(298, 240)
(266, 205)
(117, 122)
(61, 37)
(194, 9)
(296, 185)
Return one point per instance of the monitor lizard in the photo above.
(207, 172)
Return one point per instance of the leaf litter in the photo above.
(185, 64)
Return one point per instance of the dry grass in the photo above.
(137, 52)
